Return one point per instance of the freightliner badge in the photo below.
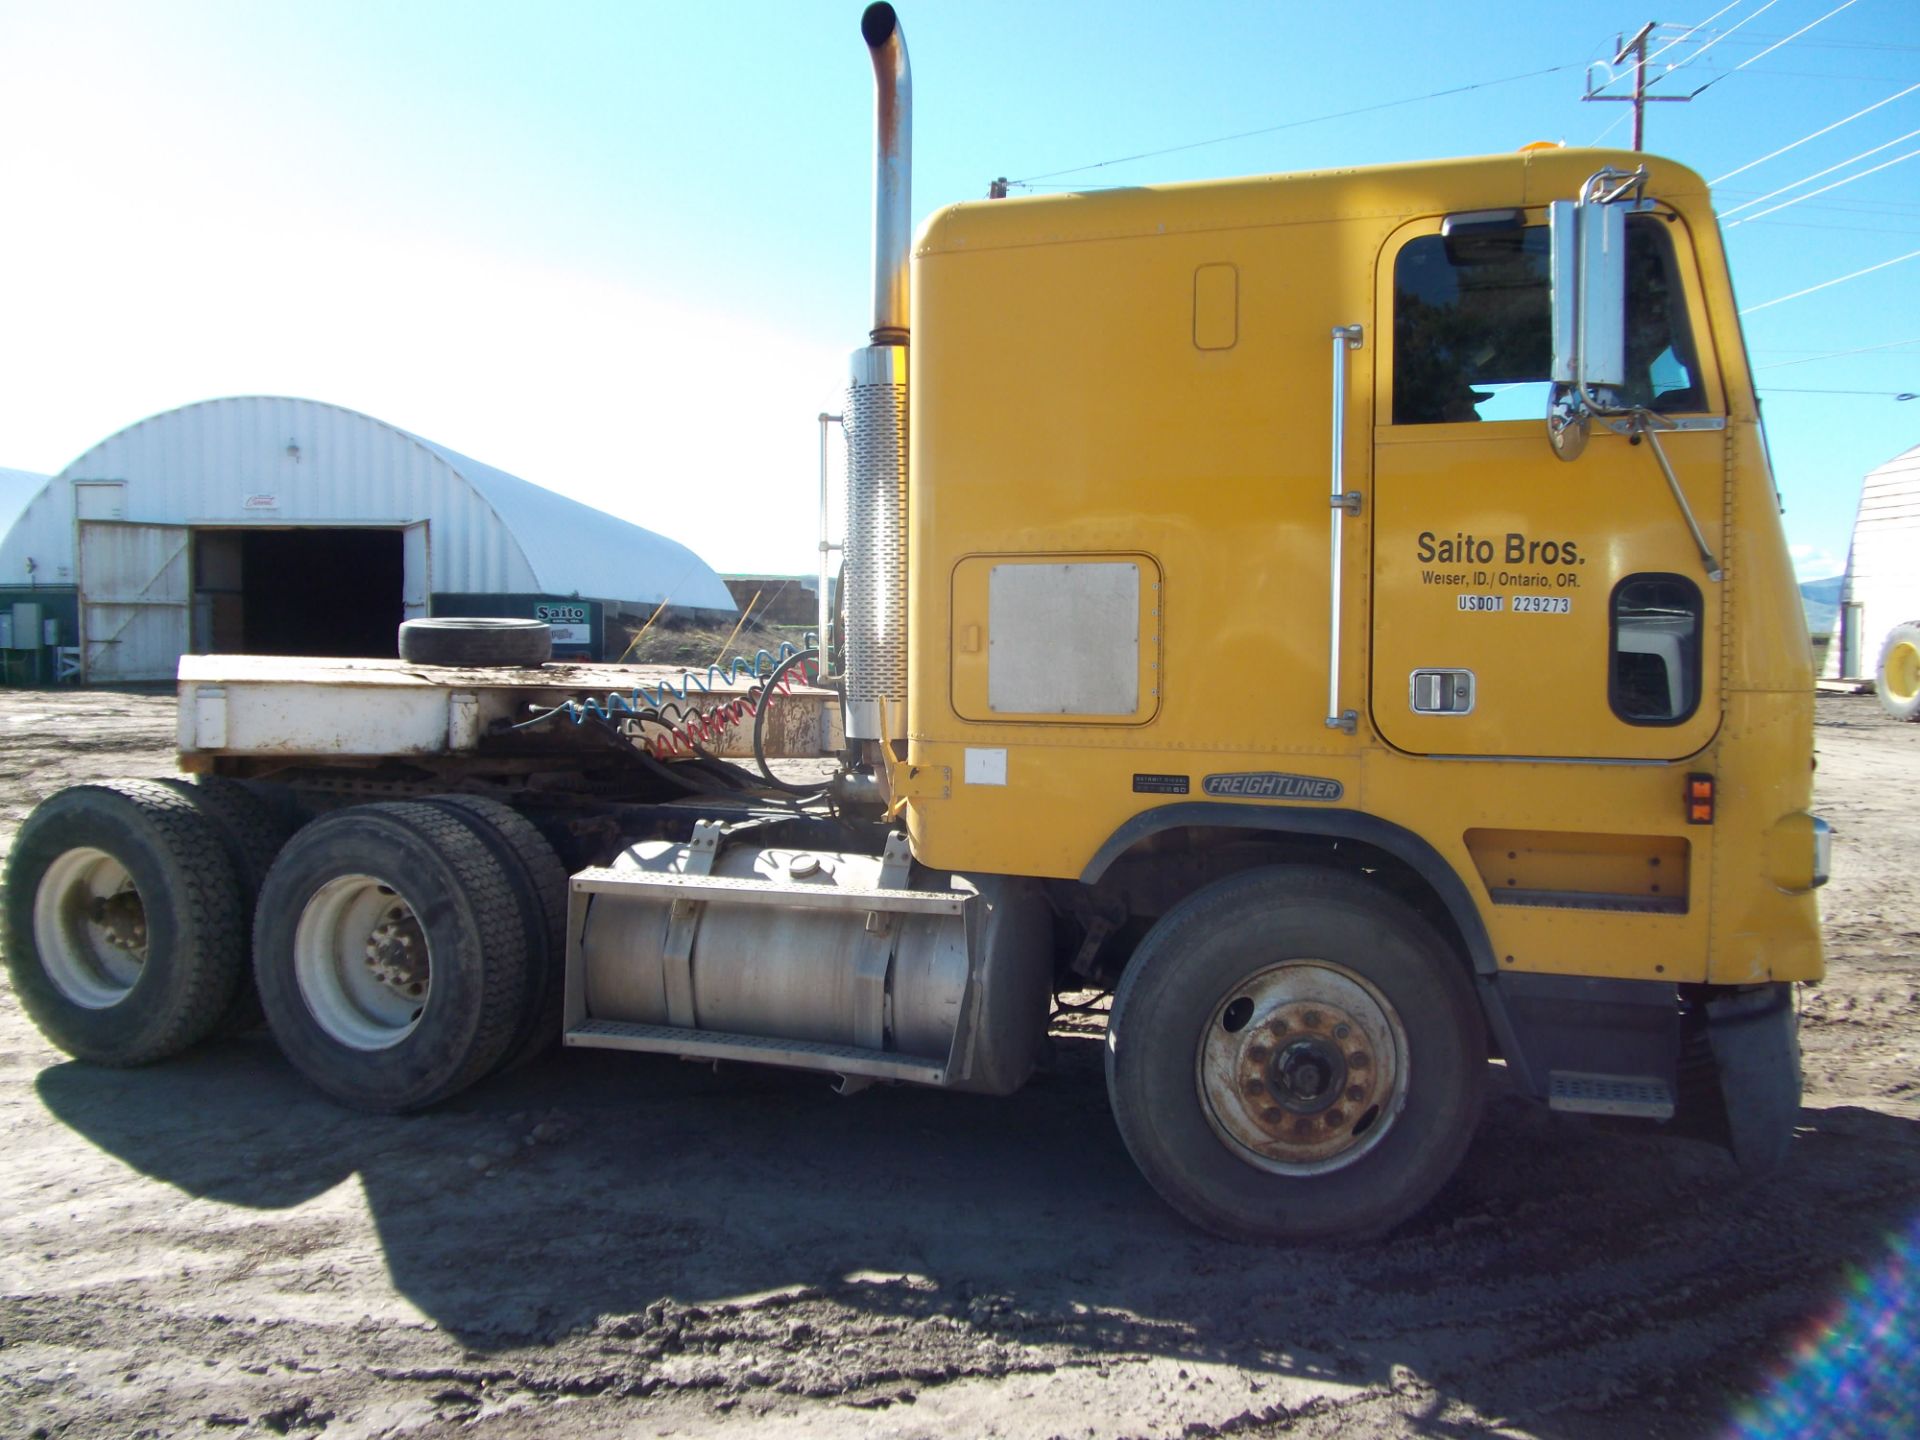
(1272, 785)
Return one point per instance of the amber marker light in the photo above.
(1699, 799)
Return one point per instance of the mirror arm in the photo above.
(1643, 424)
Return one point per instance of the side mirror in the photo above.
(1589, 278)
(1589, 265)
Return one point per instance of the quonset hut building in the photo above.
(1881, 592)
(291, 527)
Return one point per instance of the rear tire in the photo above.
(1898, 676)
(252, 829)
(541, 894)
(126, 937)
(391, 955)
(1293, 1054)
(476, 641)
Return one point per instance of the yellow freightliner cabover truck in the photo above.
(1344, 614)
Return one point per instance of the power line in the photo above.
(1637, 47)
(1819, 175)
(1829, 284)
(1791, 390)
(1693, 30)
(1815, 135)
(1682, 64)
(1618, 121)
(1892, 209)
(1295, 124)
(1847, 229)
(1844, 4)
(1837, 354)
(1758, 39)
(1851, 78)
(1871, 170)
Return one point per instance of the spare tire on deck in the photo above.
(472, 640)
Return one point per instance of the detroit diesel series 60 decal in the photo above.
(1513, 574)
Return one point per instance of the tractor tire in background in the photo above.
(542, 899)
(125, 924)
(252, 827)
(1293, 1055)
(391, 955)
(1897, 677)
(471, 641)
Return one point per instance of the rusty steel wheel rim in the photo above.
(1302, 1068)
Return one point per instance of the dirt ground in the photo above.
(621, 1245)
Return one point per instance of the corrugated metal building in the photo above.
(292, 527)
(1882, 587)
(17, 488)
(23, 656)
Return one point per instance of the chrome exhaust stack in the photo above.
(892, 171)
(875, 664)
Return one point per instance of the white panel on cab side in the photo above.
(1064, 639)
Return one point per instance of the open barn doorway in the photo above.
(305, 591)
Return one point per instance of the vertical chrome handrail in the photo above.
(1344, 502)
(827, 547)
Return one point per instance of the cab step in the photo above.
(1578, 1092)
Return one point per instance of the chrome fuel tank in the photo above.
(829, 949)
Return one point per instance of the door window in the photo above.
(1654, 678)
(1472, 325)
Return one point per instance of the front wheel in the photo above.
(1293, 1054)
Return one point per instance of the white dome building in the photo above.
(291, 527)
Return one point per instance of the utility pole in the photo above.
(1636, 47)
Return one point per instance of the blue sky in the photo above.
(621, 249)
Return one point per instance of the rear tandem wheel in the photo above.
(253, 829)
(541, 882)
(390, 948)
(126, 937)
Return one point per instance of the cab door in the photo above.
(1525, 606)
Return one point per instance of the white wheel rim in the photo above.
(1302, 1068)
(361, 959)
(90, 927)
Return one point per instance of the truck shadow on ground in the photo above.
(578, 1195)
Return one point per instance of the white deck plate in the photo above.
(292, 705)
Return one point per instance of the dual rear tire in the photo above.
(399, 952)
(126, 921)
(404, 951)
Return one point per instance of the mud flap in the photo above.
(1755, 1038)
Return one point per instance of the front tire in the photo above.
(1293, 1055)
(390, 953)
(126, 938)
